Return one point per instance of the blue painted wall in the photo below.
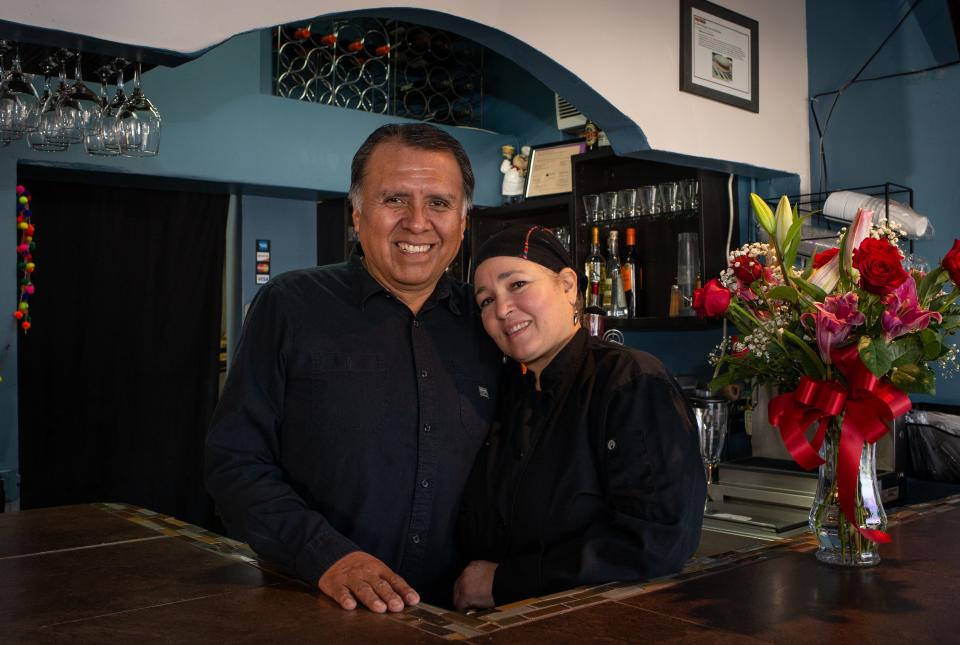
(903, 130)
(291, 227)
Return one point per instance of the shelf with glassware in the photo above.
(680, 220)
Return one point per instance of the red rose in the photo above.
(881, 269)
(824, 256)
(747, 269)
(712, 300)
(951, 262)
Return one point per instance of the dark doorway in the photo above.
(118, 374)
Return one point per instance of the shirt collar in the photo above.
(365, 286)
(564, 363)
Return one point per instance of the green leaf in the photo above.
(930, 284)
(930, 344)
(792, 242)
(951, 322)
(720, 381)
(845, 280)
(784, 293)
(811, 290)
(907, 349)
(915, 378)
(875, 355)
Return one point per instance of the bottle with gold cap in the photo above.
(593, 269)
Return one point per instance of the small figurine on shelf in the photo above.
(590, 134)
(512, 186)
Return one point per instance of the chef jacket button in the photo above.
(425, 483)
(416, 323)
(423, 373)
(426, 427)
(416, 539)
(611, 444)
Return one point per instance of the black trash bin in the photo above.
(933, 433)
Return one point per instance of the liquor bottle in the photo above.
(618, 299)
(593, 269)
(632, 273)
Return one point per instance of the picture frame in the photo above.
(719, 54)
(549, 169)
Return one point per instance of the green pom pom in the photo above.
(22, 199)
(33, 245)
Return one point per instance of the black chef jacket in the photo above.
(595, 478)
(349, 423)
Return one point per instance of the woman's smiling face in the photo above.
(526, 308)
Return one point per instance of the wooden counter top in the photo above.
(115, 573)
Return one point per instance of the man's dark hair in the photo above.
(415, 135)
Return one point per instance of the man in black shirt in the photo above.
(360, 392)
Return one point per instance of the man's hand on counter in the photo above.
(474, 587)
(360, 577)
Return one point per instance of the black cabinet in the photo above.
(601, 171)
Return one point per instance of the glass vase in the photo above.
(839, 541)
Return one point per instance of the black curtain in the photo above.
(118, 375)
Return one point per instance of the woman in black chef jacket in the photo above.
(591, 472)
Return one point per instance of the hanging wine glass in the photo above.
(18, 102)
(47, 121)
(138, 123)
(76, 107)
(108, 117)
(59, 120)
(5, 137)
(94, 141)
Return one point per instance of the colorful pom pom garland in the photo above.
(25, 265)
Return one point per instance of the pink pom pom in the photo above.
(23, 248)
(21, 190)
(29, 289)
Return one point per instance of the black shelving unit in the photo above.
(601, 170)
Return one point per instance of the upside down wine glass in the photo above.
(138, 123)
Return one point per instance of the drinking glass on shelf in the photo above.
(627, 200)
(647, 198)
(138, 123)
(591, 207)
(563, 234)
(688, 269)
(669, 193)
(608, 205)
(691, 194)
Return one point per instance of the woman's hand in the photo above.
(474, 587)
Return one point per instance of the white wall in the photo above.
(627, 50)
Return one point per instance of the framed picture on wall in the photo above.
(719, 54)
(550, 171)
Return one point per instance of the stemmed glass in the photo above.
(95, 140)
(712, 415)
(108, 117)
(45, 138)
(138, 123)
(77, 108)
(19, 102)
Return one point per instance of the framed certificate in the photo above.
(550, 171)
(718, 54)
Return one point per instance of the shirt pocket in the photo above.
(348, 391)
(477, 401)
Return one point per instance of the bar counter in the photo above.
(108, 573)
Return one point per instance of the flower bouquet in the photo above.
(846, 337)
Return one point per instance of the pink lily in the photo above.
(903, 313)
(827, 276)
(858, 232)
(835, 319)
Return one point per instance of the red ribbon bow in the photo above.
(866, 404)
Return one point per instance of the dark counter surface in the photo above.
(116, 573)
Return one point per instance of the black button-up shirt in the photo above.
(596, 477)
(349, 423)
